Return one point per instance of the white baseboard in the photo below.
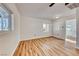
(35, 37)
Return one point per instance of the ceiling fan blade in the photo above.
(66, 3)
(51, 4)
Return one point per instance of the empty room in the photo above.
(39, 29)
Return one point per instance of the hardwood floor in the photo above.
(44, 47)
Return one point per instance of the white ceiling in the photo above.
(42, 10)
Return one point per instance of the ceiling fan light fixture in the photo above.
(57, 17)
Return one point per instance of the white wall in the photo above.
(9, 41)
(28, 28)
(32, 28)
(59, 26)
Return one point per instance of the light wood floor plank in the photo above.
(44, 47)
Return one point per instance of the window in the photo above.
(45, 27)
(71, 28)
(5, 19)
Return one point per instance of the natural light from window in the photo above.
(45, 27)
(5, 19)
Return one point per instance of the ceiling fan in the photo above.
(69, 5)
(52, 4)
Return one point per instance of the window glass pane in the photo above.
(3, 12)
(45, 27)
(0, 24)
(5, 19)
(5, 24)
